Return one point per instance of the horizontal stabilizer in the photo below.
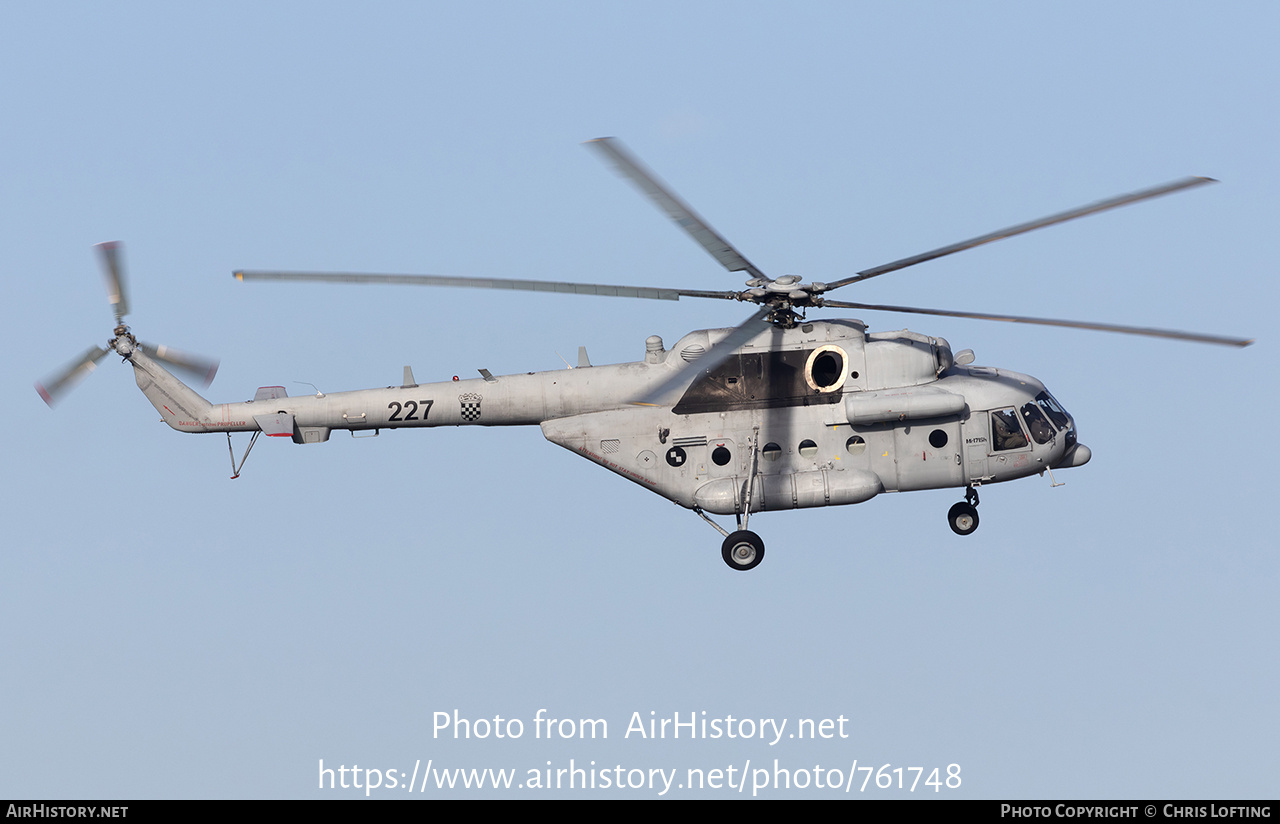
(275, 425)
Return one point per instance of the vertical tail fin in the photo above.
(178, 404)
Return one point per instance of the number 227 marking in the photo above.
(410, 408)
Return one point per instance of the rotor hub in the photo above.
(783, 294)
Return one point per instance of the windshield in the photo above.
(1037, 424)
(1049, 406)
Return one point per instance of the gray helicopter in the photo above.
(779, 412)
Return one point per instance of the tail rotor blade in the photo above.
(54, 387)
(113, 271)
(201, 367)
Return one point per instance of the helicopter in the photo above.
(779, 412)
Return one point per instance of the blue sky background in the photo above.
(165, 632)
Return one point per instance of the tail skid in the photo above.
(236, 467)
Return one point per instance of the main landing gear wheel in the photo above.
(742, 550)
(963, 518)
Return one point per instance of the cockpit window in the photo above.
(1049, 405)
(1006, 432)
(1055, 412)
(1037, 424)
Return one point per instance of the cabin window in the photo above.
(771, 452)
(721, 456)
(855, 445)
(808, 448)
(938, 438)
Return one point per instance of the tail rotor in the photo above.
(122, 342)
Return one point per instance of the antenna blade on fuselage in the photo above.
(1196, 337)
(680, 212)
(1061, 217)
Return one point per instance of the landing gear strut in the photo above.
(963, 517)
(743, 549)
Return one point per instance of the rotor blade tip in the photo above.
(44, 395)
(238, 275)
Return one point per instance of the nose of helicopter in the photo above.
(1077, 455)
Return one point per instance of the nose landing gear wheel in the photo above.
(742, 550)
(963, 518)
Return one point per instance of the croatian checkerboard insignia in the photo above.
(470, 406)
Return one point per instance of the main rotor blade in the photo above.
(1062, 217)
(1072, 324)
(718, 354)
(560, 287)
(113, 270)
(52, 388)
(201, 367)
(628, 166)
